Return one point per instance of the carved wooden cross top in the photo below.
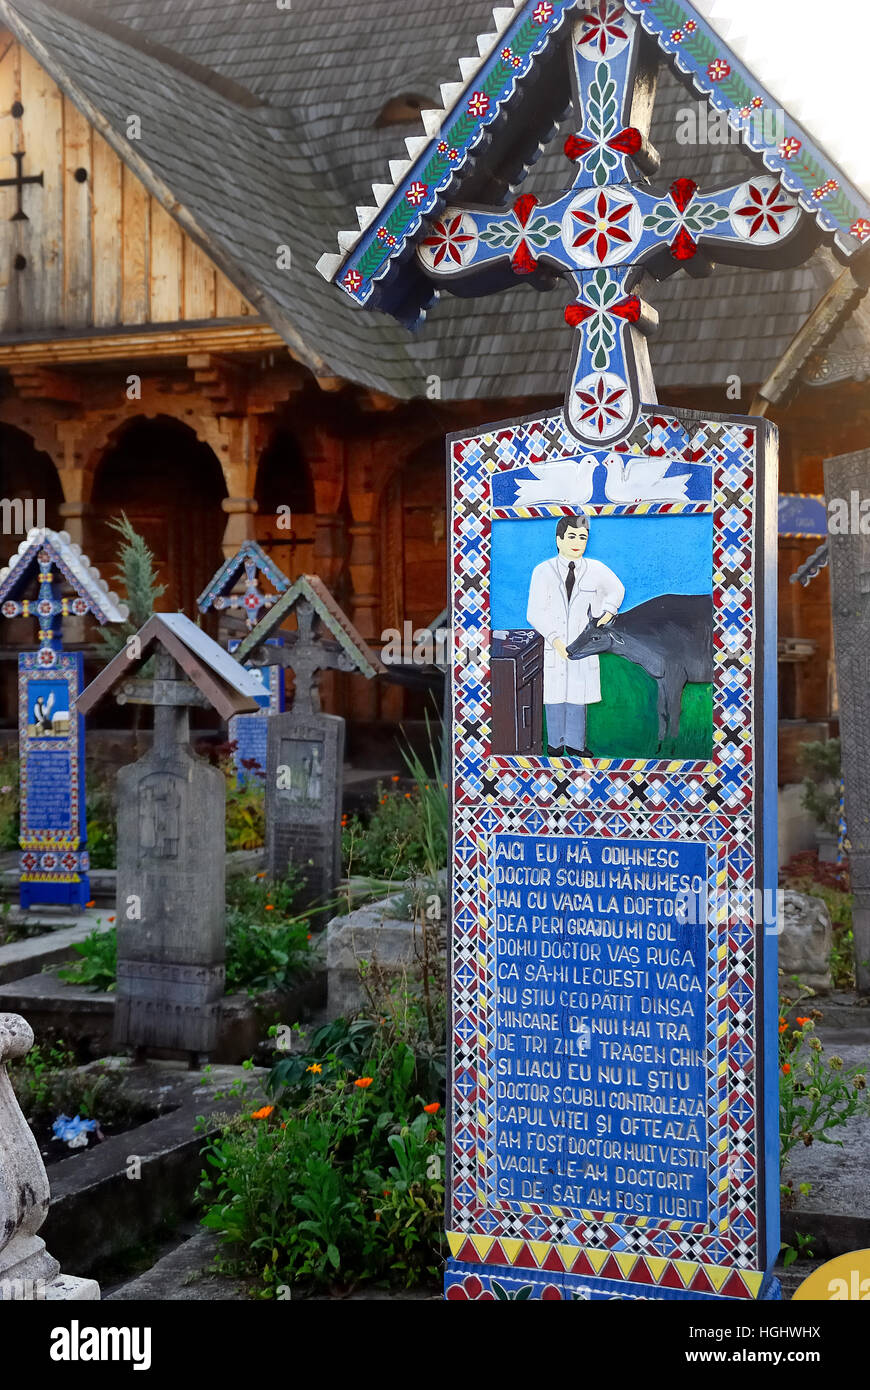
(611, 227)
(325, 640)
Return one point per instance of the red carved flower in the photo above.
(677, 36)
(861, 229)
(353, 281)
(447, 239)
(479, 104)
(689, 27)
(766, 208)
(543, 13)
(603, 225)
(718, 70)
(602, 404)
(416, 193)
(602, 24)
(789, 147)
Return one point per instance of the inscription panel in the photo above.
(599, 1011)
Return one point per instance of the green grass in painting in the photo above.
(625, 723)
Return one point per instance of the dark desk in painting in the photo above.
(517, 691)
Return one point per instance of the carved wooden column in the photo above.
(27, 1271)
(368, 465)
(241, 524)
(326, 461)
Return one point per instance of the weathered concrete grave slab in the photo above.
(171, 862)
(248, 731)
(614, 1063)
(305, 752)
(53, 864)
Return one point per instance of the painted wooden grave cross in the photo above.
(248, 731)
(171, 839)
(53, 863)
(18, 183)
(305, 752)
(614, 1070)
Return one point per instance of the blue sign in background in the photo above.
(599, 1025)
(651, 555)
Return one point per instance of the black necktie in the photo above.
(569, 580)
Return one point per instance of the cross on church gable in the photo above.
(253, 561)
(19, 183)
(325, 640)
(52, 560)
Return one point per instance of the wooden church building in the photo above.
(170, 171)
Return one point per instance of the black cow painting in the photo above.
(669, 637)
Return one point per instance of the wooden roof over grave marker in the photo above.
(219, 678)
(312, 588)
(249, 560)
(93, 594)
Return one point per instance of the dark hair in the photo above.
(565, 523)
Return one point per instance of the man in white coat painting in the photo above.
(565, 593)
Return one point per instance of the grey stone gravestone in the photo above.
(846, 487)
(305, 751)
(171, 805)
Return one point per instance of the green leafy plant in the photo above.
(339, 1176)
(98, 963)
(101, 815)
(406, 833)
(801, 1250)
(265, 955)
(816, 1092)
(136, 576)
(9, 815)
(821, 787)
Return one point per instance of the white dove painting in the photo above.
(627, 479)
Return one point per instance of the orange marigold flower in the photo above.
(315, 1068)
(92, 903)
(363, 1082)
(264, 1113)
(262, 875)
(432, 1108)
(377, 1216)
(786, 1068)
(394, 779)
(407, 796)
(782, 1027)
(270, 907)
(110, 919)
(801, 1021)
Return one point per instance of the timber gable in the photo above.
(84, 246)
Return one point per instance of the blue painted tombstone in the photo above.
(614, 1072)
(53, 863)
(248, 731)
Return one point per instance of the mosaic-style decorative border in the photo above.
(711, 804)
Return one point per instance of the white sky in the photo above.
(813, 56)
